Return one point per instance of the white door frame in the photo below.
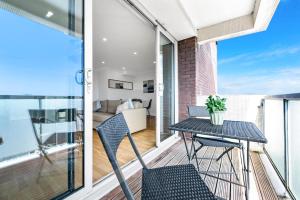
(89, 190)
(88, 102)
(159, 84)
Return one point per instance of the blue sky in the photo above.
(264, 63)
(36, 59)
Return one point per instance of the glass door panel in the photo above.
(294, 141)
(167, 90)
(274, 131)
(41, 99)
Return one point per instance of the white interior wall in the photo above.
(102, 92)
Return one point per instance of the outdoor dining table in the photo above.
(238, 130)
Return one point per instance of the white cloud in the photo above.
(257, 56)
(273, 81)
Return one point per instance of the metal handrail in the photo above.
(38, 97)
(293, 96)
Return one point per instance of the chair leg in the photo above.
(195, 154)
(230, 160)
(225, 152)
(244, 165)
(198, 149)
(40, 169)
(192, 149)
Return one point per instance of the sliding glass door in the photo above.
(166, 73)
(41, 98)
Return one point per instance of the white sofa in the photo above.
(135, 118)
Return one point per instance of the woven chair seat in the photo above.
(216, 142)
(174, 182)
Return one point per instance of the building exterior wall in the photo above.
(196, 72)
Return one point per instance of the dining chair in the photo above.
(148, 107)
(201, 112)
(169, 182)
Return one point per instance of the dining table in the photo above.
(235, 130)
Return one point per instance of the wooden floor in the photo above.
(38, 179)
(177, 155)
(145, 141)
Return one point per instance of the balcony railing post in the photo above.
(286, 142)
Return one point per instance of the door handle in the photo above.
(161, 89)
(79, 77)
(89, 77)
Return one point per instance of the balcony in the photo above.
(273, 165)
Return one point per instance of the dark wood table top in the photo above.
(239, 130)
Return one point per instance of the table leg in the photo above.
(186, 147)
(247, 171)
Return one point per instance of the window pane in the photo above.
(41, 98)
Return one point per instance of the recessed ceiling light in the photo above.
(124, 68)
(154, 62)
(103, 62)
(104, 39)
(135, 53)
(49, 14)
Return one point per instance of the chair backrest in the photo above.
(137, 100)
(41, 117)
(197, 111)
(149, 105)
(111, 132)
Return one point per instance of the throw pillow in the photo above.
(122, 107)
(130, 104)
(112, 106)
(137, 105)
(103, 106)
(96, 106)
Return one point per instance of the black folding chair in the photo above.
(170, 182)
(200, 111)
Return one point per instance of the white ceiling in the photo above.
(126, 32)
(205, 13)
(212, 19)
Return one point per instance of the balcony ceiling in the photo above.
(207, 13)
(211, 20)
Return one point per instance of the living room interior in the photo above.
(124, 77)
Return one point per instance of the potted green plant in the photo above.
(216, 106)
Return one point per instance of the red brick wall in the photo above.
(196, 76)
(186, 74)
(205, 67)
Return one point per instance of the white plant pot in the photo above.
(216, 118)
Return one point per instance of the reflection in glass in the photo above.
(41, 104)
